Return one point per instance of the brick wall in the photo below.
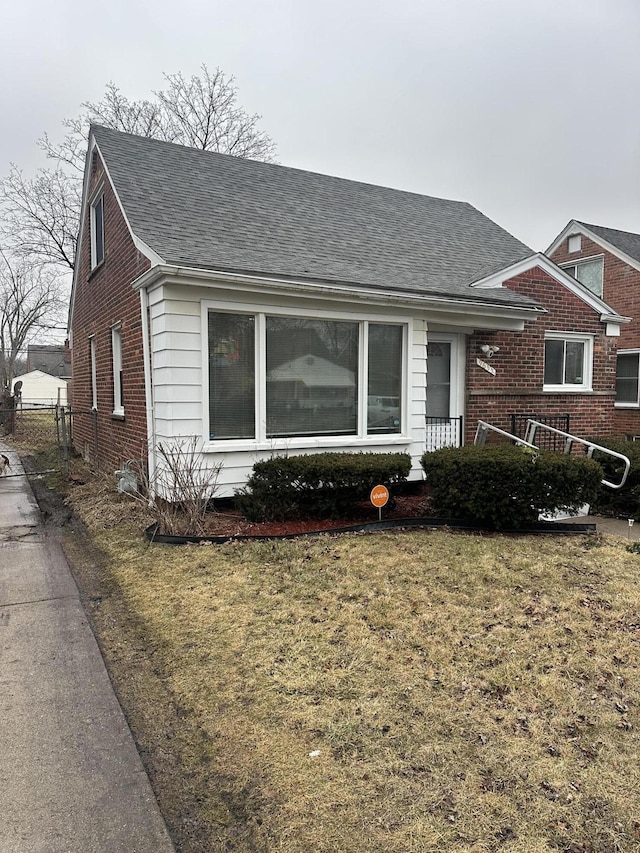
(103, 298)
(621, 290)
(519, 365)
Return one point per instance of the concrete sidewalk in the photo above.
(71, 780)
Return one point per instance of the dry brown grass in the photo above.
(421, 691)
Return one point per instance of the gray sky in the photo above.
(527, 110)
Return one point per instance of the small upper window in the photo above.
(97, 231)
(575, 242)
(567, 362)
(588, 272)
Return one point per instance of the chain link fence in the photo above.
(44, 435)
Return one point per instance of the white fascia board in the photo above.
(605, 312)
(140, 245)
(487, 315)
(83, 206)
(569, 230)
(578, 228)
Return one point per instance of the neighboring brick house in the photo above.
(607, 261)
(262, 310)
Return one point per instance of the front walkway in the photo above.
(71, 780)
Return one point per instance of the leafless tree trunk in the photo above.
(31, 300)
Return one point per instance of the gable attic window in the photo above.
(575, 243)
(628, 379)
(588, 272)
(97, 231)
(568, 361)
(273, 376)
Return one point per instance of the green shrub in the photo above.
(623, 502)
(507, 486)
(317, 485)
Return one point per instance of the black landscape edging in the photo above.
(556, 527)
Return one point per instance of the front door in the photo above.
(444, 391)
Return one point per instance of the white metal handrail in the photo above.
(530, 435)
(484, 428)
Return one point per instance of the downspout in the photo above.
(148, 389)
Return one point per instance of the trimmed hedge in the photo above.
(317, 485)
(623, 502)
(507, 486)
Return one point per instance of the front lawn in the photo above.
(385, 693)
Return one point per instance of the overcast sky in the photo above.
(527, 109)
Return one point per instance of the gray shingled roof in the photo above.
(624, 240)
(206, 210)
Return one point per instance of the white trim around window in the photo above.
(588, 271)
(97, 229)
(261, 433)
(568, 362)
(628, 379)
(94, 373)
(116, 353)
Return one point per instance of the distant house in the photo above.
(265, 310)
(53, 359)
(607, 262)
(40, 389)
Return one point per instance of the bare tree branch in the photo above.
(32, 298)
(39, 217)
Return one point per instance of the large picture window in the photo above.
(312, 377)
(567, 362)
(277, 377)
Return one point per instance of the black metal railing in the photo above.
(443, 432)
(545, 440)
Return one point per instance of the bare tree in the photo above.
(39, 216)
(31, 301)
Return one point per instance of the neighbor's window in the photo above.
(627, 375)
(567, 362)
(94, 373)
(588, 272)
(232, 408)
(314, 376)
(116, 351)
(97, 231)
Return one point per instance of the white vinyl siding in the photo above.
(178, 322)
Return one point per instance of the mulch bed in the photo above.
(230, 522)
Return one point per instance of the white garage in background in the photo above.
(42, 389)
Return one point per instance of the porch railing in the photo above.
(547, 440)
(444, 432)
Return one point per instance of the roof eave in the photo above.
(167, 274)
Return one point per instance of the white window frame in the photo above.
(261, 442)
(97, 200)
(587, 367)
(94, 373)
(635, 405)
(565, 267)
(116, 354)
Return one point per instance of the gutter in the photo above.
(148, 388)
(153, 276)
